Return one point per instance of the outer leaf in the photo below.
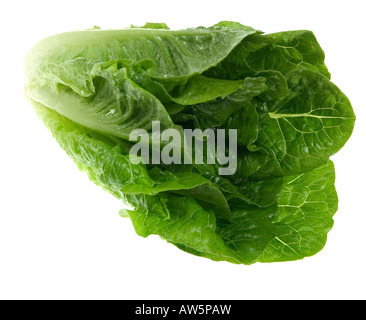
(283, 51)
(181, 221)
(68, 58)
(310, 125)
(302, 49)
(306, 205)
(109, 168)
(118, 107)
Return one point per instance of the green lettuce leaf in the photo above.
(68, 58)
(306, 206)
(109, 168)
(310, 125)
(118, 107)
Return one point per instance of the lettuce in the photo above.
(93, 88)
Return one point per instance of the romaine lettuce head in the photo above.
(93, 88)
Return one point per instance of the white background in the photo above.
(61, 237)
